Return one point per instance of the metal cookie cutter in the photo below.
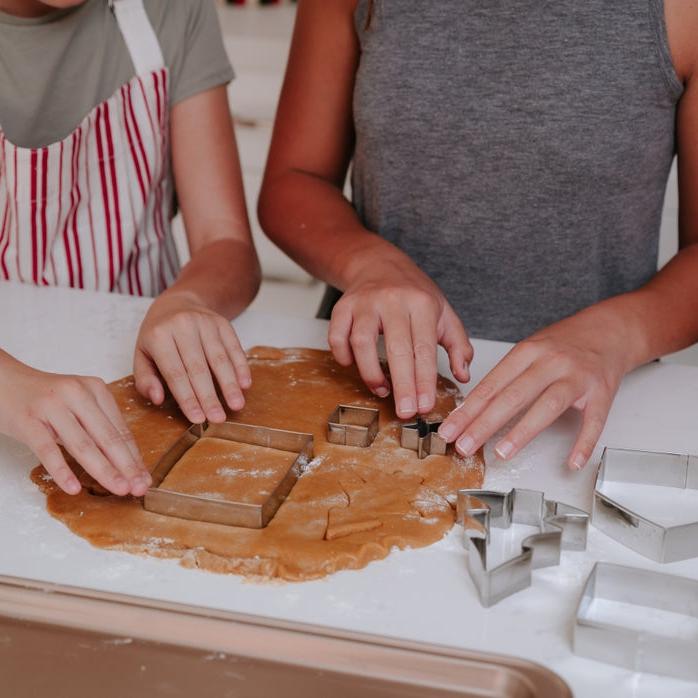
(350, 425)
(562, 527)
(644, 536)
(423, 437)
(196, 508)
(672, 651)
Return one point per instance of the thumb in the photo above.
(148, 382)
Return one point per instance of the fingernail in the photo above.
(447, 432)
(120, 482)
(578, 462)
(407, 406)
(197, 416)
(504, 449)
(245, 383)
(466, 445)
(73, 487)
(382, 391)
(425, 402)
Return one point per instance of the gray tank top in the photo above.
(517, 150)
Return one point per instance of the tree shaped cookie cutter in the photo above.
(562, 527)
(423, 437)
(197, 508)
(351, 425)
(639, 533)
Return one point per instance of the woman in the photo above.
(509, 168)
(107, 108)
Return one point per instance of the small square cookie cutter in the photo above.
(670, 653)
(423, 437)
(231, 513)
(351, 425)
(639, 533)
(562, 527)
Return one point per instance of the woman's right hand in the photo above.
(395, 298)
(44, 410)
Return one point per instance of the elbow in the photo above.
(268, 206)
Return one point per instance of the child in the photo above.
(509, 168)
(107, 109)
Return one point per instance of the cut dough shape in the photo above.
(294, 389)
(228, 470)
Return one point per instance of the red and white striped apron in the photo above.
(93, 210)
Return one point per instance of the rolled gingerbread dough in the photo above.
(351, 506)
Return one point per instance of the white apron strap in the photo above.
(139, 35)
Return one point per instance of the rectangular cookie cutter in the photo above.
(639, 533)
(351, 425)
(231, 513)
(562, 527)
(670, 653)
(423, 437)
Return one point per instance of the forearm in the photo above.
(310, 219)
(223, 276)
(659, 318)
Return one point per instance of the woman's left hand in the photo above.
(188, 345)
(578, 362)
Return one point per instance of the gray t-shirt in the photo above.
(56, 68)
(517, 151)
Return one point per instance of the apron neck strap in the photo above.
(139, 35)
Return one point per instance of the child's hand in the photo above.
(394, 298)
(43, 410)
(578, 362)
(187, 345)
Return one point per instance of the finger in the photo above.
(237, 355)
(107, 403)
(111, 435)
(512, 399)
(85, 451)
(194, 360)
(222, 366)
(148, 382)
(400, 352)
(454, 340)
(364, 345)
(594, 419)
(338, 335)
(40, 440)
(169, 363)
(544, 411)
(509, 368)
(424, 338)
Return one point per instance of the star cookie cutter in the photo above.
(351, 425)
(669, 651)
(197, 508)
(562, 527)
(639, 533)
(423, 437)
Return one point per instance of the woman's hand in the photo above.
(391, 296)
(187, 345)
(578, 362)
(44, 410)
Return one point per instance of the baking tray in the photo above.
(91, 643)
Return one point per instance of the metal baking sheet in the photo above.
(110, 645)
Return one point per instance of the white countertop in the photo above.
(421, 594)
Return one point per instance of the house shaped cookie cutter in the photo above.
(196, 508)
(639, 533)
(351, 425)
(562, 527)
(670, 652)
(423, 437)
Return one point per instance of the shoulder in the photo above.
(682, 30)
(173, 20)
